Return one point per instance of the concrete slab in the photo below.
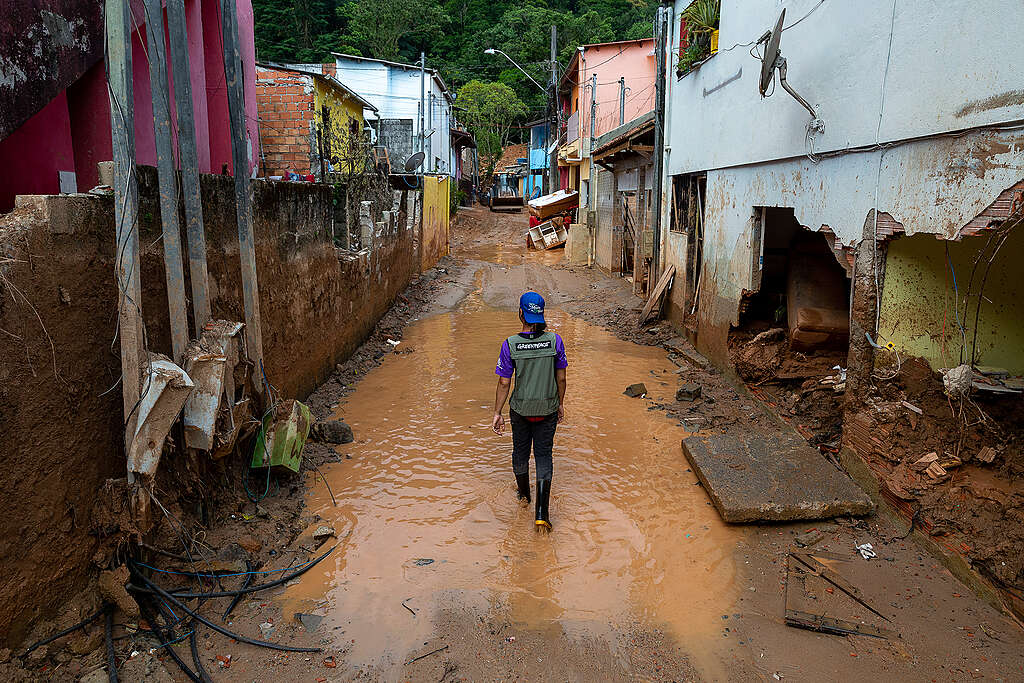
(771, 478)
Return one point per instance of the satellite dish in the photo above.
(771, 53)
(773, 60)
(414, 161)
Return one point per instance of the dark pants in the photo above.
(541, 435)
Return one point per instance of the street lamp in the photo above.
(492, 51)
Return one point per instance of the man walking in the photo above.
(537, 359)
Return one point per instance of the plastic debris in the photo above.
(866, 551)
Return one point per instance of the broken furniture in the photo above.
(549, 205)
(659, 294)
(548, 235)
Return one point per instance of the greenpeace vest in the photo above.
(536, 392)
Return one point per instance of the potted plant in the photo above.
(701, 18)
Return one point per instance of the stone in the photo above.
(809, 538)
(322, 533)
(694, 424)
(249, 544)
(756, 477)
(309, 621)
(688, 392)
(776, 334)
(637, 390)
(333, 432)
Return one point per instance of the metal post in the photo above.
(590, 142)
(423, 97)
(659, 137)
(167, 178)
(553, 98)
(429, 161)
(622, 100)
(126, 207)
(189, 160)
(233, 75)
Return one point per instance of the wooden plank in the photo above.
(189, 160)
(663, 285)
(126, 207)
(840, 627)
(167, 178)
(819, 569)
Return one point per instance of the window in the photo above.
(688, 198)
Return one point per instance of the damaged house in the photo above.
(842, 204)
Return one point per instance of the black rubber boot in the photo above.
(543, 494)
(523, 482)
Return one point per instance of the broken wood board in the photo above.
(664, 284)
(755, 477)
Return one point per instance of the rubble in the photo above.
(331, 432)
(638, 390)
(688, 392)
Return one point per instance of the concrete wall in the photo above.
(62, 433)
(395, 90)
(755, 151)
(918, 313)
(436, 219)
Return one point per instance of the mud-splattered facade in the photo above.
(877, 233)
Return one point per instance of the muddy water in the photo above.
(634, 539)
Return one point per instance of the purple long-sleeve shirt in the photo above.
(506, 366)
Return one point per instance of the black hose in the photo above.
(195, 656)
(238, 598)
(165, 638)
(108, 635)
(82, 624)
(220, 629)
(241, 591)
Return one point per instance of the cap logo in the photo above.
(534, 308)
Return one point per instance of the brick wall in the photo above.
(285, 101)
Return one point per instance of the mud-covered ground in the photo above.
(944, 632)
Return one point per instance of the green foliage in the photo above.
(701, 16)
(490, 109)
(453, 33)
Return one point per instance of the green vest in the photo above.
(536, 392)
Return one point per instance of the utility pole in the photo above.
(659, 137)
(553, 98)
(622, 100)
(423, 96)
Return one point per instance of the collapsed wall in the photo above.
(60, 399)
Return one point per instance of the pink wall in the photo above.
(632, 60)
(72, 133)
(31, 156)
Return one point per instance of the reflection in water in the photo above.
(634, 538)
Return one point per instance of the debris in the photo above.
(212, 417)
(330, 662)
(775, 334)
(332, 431)
(808, 538)
(638, 390)
(925, 461)
(416, 659)
(688, 392)
(694, 424)
(987, 454)
(111, 586)
(936, 471)
(957, 381)
(267, 629)
(309, 621)
(224, 661)
(393, 342)
(423, 561)
(866, 551)
(411, 610)
(165, 389)
(911, 407)
(323, 532)
(282, 436)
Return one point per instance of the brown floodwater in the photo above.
(634, 542)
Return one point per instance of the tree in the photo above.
(381, 27)
(490, 111)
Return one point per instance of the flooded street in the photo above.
(634, 540)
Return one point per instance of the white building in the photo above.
(922, 107)
(397, 90)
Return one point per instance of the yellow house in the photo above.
(310, 122)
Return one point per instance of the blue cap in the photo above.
(532, 306)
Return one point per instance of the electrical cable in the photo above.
(242, 591)
(220, 629)
(194, 648)
(71, 629)
(147, 613)
(238, 598)
(108, 628)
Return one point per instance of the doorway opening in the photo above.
(689, 193)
